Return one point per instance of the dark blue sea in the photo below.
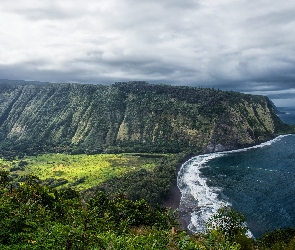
(287, 115)
(257, 181)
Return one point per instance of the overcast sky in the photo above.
(240, 45)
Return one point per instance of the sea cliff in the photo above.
(131, 117)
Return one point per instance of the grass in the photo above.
(81, 171)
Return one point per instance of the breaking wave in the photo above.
(199, 201)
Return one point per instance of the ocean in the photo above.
(258, 181)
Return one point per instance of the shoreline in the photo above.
(173, 200)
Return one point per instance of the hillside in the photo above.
(158, 125)
(130, 117)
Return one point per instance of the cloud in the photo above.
(242, 45)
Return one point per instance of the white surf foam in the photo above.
(198, 200)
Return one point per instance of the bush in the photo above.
(228, 222)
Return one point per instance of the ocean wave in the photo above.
(199, 201)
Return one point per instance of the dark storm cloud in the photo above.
(245, 46)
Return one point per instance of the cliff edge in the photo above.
(131, 117)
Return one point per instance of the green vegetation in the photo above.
(130, 117)
(77, 138)
(81, 171)
(153, 186)
(138, 176)
(228, 222)
(278, 239)
(38, 217)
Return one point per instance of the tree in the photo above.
(4, 178)
(228, 222)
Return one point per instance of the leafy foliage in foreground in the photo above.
(228, 222)
(278, 239)
(38, 217)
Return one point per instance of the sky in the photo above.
(240, 45)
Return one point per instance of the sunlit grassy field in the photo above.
(81, 171)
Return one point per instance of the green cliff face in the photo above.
(131, 117)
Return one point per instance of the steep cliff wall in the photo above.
(131, 117)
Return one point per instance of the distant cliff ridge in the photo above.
(131, 117)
